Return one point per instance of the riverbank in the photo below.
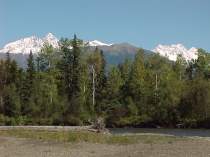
(48, 128)
(34, 143)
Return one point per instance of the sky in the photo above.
(143, 23)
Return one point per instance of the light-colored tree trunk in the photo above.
(93, 86)
(156, 81)
(1, 101)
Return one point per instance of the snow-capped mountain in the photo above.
(35, 44)
(28, 44)
(114, 53)
(172, 51)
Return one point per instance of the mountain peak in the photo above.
(49, 35)
(51, 39)
(172, 51)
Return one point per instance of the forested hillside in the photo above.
(70, 86)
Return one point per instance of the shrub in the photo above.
(2, 120)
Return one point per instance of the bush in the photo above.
(204, 123)
(74, 121)
(21, 120)
(2, 120)
(45, 121)
(190, 123)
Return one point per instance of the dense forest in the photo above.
(70, 86)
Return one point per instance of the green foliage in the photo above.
(137, 77)
(27, 90)
(12, 105)
(47, 58)
(73, 86)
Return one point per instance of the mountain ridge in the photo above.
(34, 44)
(117, 51)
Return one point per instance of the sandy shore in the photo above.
(20, 147)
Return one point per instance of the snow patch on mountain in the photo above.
(172, 52)
(95, 43)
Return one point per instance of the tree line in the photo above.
(73, 86)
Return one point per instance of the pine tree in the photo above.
(201, 65)
(136, 83)
(11, 101)
(125, 69)
(28, 88)
(71, 71)
(114, 108)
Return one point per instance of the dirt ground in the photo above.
(18, 147)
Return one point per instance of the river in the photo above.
(122, 131)
(172, 132)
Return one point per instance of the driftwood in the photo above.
(99, 126)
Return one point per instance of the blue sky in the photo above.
(144, 23)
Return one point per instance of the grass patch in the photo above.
(70, 136)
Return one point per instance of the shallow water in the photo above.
(173, 132)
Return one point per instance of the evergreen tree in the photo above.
(11, 101)
(201, 65)
(28, 88)
(136, 83)
(114, 107)
(125, 69)
(71, 71)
